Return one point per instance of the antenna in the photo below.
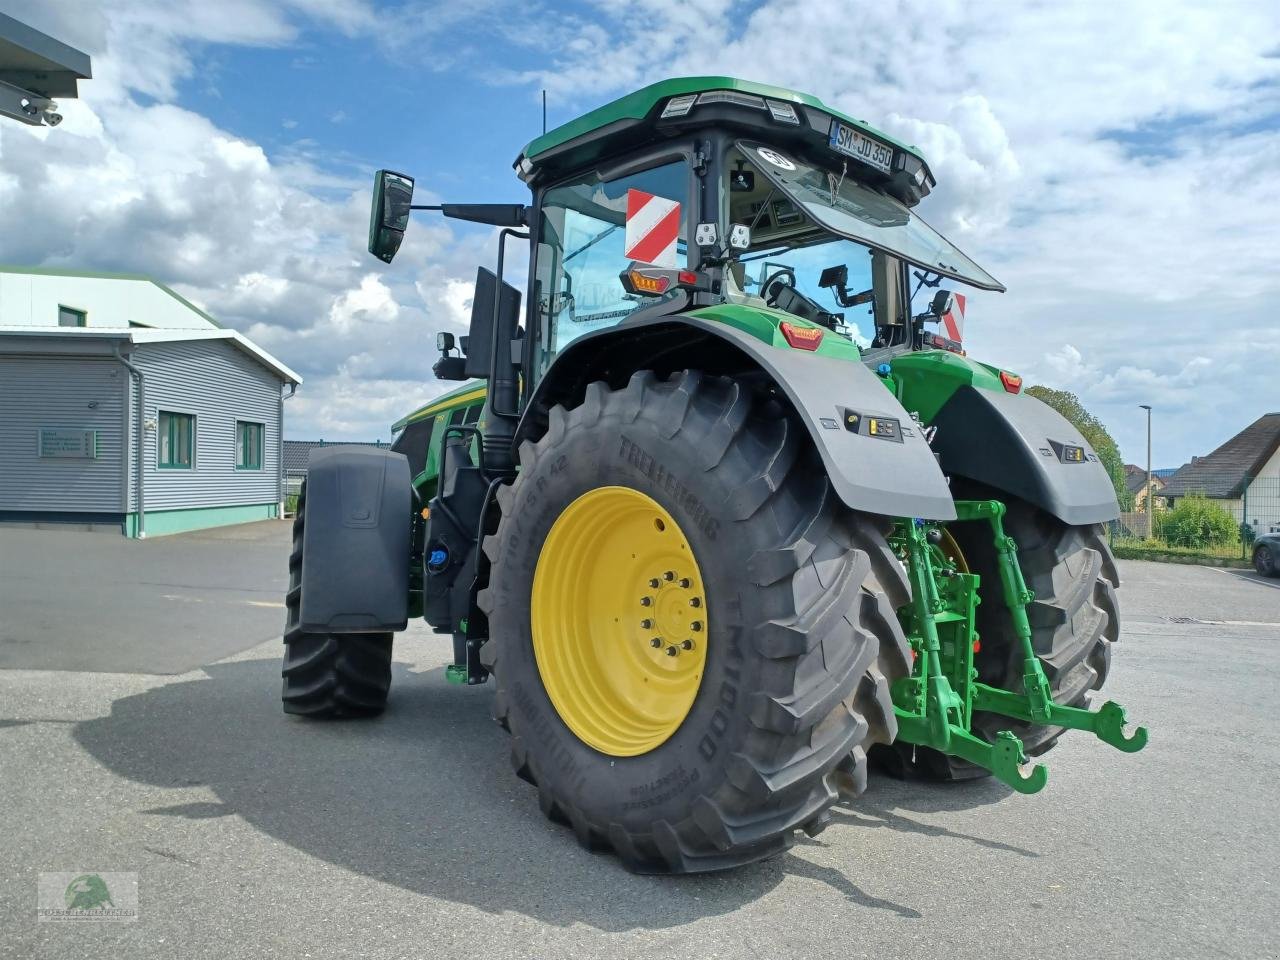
(544, 109)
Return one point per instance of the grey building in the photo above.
(149, 430)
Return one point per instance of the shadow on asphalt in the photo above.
(424, 798)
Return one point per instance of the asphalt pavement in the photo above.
(258, 835)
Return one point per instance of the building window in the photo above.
(177, 436)
(70, 317)
(248, 445)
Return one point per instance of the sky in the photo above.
(1116, 164)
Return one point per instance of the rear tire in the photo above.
(1075, 618)
(329, 675)
(802, 640)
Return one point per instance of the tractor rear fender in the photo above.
(356, 541)
(1022, 446)
(890, 472)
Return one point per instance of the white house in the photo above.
(124, 405)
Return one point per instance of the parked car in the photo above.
(1266, 555)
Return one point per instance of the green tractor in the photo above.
(723, 510)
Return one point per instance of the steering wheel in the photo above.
(786, 276)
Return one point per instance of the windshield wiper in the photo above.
(592, 242)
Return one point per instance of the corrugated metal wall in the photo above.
(219, 384)
(40, 392)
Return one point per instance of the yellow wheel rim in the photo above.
(619, 618)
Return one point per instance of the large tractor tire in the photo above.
(1074, 620)
(329, 675)
(692, 637)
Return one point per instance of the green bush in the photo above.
(1197, 521)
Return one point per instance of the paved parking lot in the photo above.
(257, 835)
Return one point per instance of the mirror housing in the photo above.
(450, 368)
(389, 213)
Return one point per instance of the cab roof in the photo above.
(634, 118)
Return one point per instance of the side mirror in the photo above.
(444, 342)
(480, 334)
(389, 213)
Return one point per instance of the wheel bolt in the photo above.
(684, 582)
(696, 625)
(646, 624)
(646, 601)
(656, 642)
(687, 644)
(673, 651)
(695, 601)
(669, 575)
(655, 583)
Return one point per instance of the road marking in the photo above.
(1247, 578)
(172, 596)
(263, 603)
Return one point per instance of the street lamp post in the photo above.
(1151, 502)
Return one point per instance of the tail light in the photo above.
(801, 338)
(1012, 382)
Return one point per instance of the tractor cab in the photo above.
(698, 192)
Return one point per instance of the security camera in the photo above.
(42, 108)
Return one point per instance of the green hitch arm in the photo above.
(1107, 723)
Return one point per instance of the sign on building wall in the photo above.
(64, 443)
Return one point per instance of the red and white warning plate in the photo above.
(953, 319)
(653, 226)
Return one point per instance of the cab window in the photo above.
(582, 249)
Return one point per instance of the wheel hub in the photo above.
(619, 621)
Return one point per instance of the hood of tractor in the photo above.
(784, 117)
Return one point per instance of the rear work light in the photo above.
(782, 111)
(679, 106)
(1012, 382)
(801, 338)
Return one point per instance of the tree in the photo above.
(1092, 429)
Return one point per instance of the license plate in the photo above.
(856, 144)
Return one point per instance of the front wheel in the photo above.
(329, 675)
(692, 638)
(1264, 561)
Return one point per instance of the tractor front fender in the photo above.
(891, 472)
(356, 541)
(1022, 446)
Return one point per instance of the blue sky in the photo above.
(1113, 164)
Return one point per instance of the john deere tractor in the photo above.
(723, 509)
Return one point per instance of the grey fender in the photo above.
(355, 541)
(896, 477)
(1014, 443)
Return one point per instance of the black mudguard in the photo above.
(1016, 444)
(356, 541)
(896, 477)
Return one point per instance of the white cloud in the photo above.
(1113, 164)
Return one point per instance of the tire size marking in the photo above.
(728, 697)
(653, 794)
(649, 465)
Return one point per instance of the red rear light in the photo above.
(1012, 382)
(801, 338)
(688, 278)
